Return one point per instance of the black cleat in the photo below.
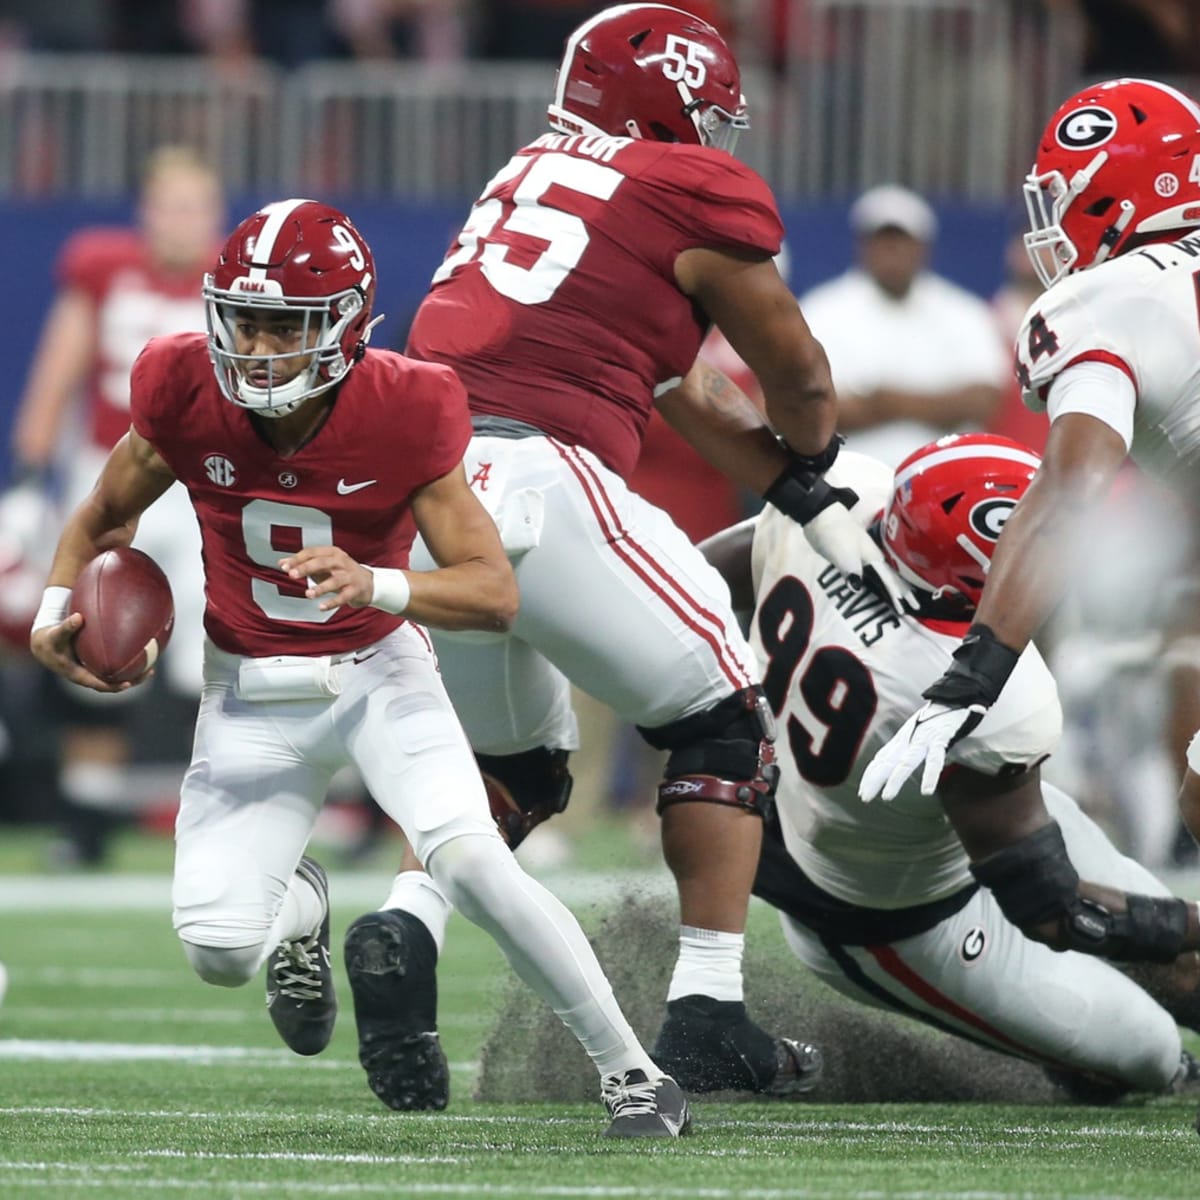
(300, 995)
(391, 960)
(713, 1046)
(799, 1067)
(641, 1107)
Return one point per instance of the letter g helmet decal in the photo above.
(988, 516)
(1085, 129)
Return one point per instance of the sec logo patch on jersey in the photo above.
(973, 946)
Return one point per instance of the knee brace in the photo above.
(723, 755)
(1034, 882)
(525, 789)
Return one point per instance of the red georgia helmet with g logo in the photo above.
(949, 502)
(650, 71)
(308, 259)
(1118, 165)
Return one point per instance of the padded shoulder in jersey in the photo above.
(424, 401)
(1021, 728)
(167, 369)
(1078, 320)
(91, 257)
(712, 198)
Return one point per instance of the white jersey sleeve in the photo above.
(1139, 314)
(842, 672)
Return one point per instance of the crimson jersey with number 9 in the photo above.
(395, 426)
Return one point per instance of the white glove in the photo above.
(923, 738)
(836, 535)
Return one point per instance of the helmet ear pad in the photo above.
(949, 503)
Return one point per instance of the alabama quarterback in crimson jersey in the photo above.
(341, 488)
(305, 453)
(575, 299)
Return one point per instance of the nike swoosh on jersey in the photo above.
(344, 488)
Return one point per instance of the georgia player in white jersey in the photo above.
(1112, 352)
(882, 901)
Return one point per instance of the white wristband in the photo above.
(392, 591)
(55, 606)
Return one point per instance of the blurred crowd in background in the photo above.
(1125, 649)
(1123, 36)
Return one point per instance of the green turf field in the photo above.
(121, 1075)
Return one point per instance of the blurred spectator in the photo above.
(519, 29)
(1140, 37)
(530, 28)
(117, 289)
(145, 27)
(913, 355)
(1021, 287)
(290, 33)
(35, 25)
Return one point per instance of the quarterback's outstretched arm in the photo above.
(1028, 575)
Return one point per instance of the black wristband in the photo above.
(801, 493)
(818, 464)
(977, 675)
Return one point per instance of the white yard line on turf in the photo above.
(136, 1016)
(292, 1187)
(264, 1115)
(33, 1050)
(383, 1160)
(351, 889)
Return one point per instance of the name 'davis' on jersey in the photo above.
(868, 615)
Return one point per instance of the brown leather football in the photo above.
(127, 612)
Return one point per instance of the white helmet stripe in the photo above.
(573, 41)
(1183, 99)
(952, 453)
(264, 244)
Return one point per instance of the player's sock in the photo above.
(300, 915)
(709, 964)
(544, 944)
(416, 893)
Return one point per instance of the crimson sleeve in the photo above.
(449, 421)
